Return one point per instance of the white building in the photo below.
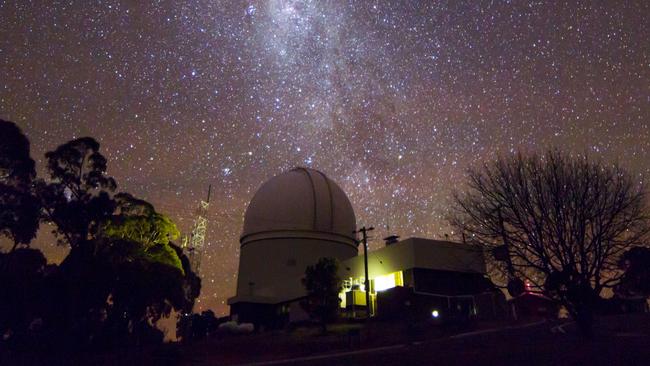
(293, 220)
(300, 216)
(416, 277)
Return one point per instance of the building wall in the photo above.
(262, 315)
(447, 256)
(450, 283)
(271, 270)
(426, 274)
(416, 253)
(405, 303)
(382, 261)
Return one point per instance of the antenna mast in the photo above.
(194, 243)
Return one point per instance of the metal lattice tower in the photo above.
(193, 243)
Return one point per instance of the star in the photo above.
(393, 101)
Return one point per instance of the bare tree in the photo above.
(560, 222)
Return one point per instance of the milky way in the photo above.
(392, 100)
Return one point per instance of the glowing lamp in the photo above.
(435, 314)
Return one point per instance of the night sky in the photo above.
(392, 101)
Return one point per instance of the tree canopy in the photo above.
(77, 197)
(323, 287)
(137, 221)
(80, 167)
(19, 209)
(123, 272)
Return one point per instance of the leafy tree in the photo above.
(143, 291)
(123, 272)
(112, 291)
(323, 287)
(152, 276)
(78, 294)
(563, 221)
(78, 197)
(137, 221)
(79, 167)
(149, 275)
(19, 209)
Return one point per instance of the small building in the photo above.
(422, 278)
(532, 305)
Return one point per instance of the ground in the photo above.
(618, 340)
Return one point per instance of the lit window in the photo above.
(388, 281)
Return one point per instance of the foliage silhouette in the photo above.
(119, 286)
(191, 281)
(192, 327)
(122, 273)
(19, 209)
(77, 199)
(635, 282)
(323, 286)
(21, 281)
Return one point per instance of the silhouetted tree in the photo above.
(146, 276)
(186, 329)
(19, 209)
(191, 281)
(77, 198)
(143, 291)
(195, 326)
(21, 282)
(152, 276)
(78, 294)
(563, 222)
(323, 286)
(635, 282)
(122, 273)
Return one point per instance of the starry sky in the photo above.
(393, 100)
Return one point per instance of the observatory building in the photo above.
(293, 220)
(301, 215)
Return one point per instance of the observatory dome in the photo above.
(294, 219)
(301, 202)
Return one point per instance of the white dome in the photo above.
(293, 220)
(299, 202)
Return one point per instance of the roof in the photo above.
(299, 200)
(419, 253)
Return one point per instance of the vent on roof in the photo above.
(391, 239)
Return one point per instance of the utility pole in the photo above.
(364, 233)
(506, 244)
(515, 285)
